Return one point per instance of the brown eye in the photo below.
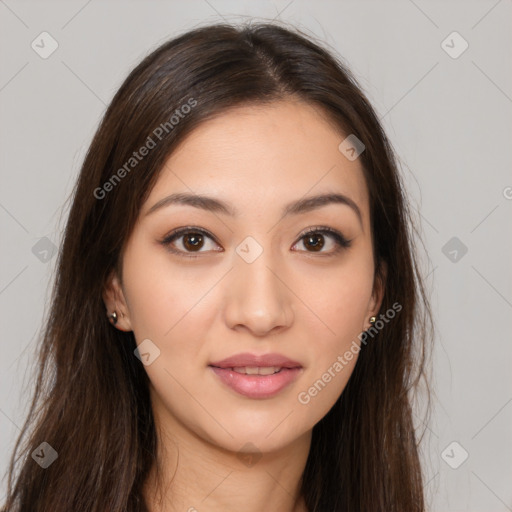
(189, 240)
(324, 240)
(315, 242)
(193, 241)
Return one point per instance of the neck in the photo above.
(193, 475)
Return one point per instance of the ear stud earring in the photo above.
(113, 318)
(373, 319)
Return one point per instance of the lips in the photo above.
(258, 361)
(257, 376)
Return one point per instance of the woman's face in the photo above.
(246, 278)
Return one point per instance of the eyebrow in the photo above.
(214, 205)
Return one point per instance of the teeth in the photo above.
(255, 370)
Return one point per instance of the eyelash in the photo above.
(339, 239)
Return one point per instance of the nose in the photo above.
(258, 299)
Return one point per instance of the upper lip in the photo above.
(254, 360)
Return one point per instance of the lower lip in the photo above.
(257, 386)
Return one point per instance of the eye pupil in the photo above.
(315, 241)
(193, 241)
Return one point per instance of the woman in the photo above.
(237, 320)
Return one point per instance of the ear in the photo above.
(114, 299)
(379, 287)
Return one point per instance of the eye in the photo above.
(190, 239)
(193, 239)
(314, 239)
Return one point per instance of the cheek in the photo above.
(339, 305)
(338, 299)
(163, 297)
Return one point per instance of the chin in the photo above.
(256, 431)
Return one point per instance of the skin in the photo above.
(292, 300)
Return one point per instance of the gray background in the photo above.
(448, 118)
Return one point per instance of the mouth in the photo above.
(253, 370)
(257, 377)
(250, 361)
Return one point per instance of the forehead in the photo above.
(263, 156)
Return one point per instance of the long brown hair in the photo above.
(91, 402)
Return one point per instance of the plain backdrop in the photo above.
(438, 74)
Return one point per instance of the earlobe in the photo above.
(115, 303)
